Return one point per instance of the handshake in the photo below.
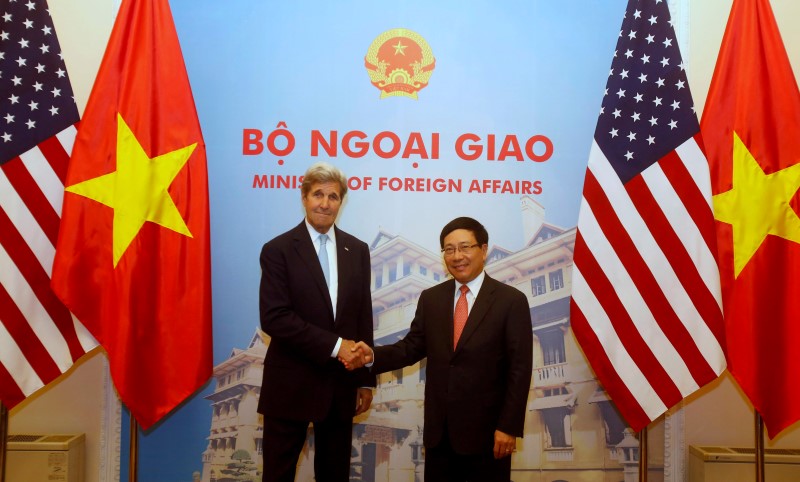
(354, 354)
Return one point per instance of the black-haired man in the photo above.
(476, 334)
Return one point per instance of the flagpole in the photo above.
(3, 440)
(133, 451)
(759, 429)
(643, 455)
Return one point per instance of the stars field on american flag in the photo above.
(37, 98)
(647, 108)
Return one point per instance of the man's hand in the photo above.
(363, 400)
(349, 355)
(366, 352)
(361, 353)
(504, 444)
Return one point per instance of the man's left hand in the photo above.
(363, 400)
(504, 444)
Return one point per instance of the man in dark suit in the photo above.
(315, 301)
(479, 350)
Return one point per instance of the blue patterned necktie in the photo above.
(323, 258)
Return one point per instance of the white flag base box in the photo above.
(735, 464)
(45, 458)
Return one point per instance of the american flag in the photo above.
(646, 303)
(39, 338)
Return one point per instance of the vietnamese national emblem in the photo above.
(399, 63)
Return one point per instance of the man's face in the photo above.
(322, 205)
(467, 258)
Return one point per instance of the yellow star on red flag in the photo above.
(137, 190)
(749, 129)
(757, 205)
(144, 292)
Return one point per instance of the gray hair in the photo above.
(322, 172)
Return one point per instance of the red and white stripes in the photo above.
(39, 338)
(645, 284)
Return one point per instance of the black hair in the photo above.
(465, 223)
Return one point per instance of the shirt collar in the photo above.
(474, 285)
(316, 234)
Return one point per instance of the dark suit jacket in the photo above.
(301, 379)
(483, 385)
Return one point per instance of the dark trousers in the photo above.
(283, 442)
(443, 464)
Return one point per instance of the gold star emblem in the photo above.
(137, 191)
(399, 48)
(758, 205)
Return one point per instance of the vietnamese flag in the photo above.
(751, 129)
(132, 260)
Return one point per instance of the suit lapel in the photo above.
(343, 259)
(444, 312)
(308, 256)
(478, 312)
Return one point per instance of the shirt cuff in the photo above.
(336, 348)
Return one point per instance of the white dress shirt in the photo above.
(333, 269)
(474, 288)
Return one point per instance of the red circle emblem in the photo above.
(399, 63)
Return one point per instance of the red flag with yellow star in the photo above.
(132, 260)
(750, 126)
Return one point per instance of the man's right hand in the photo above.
(355, 355)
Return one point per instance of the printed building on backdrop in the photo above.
(571, 428)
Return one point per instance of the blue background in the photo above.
(512, 67)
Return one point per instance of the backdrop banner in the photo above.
(433, 110)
